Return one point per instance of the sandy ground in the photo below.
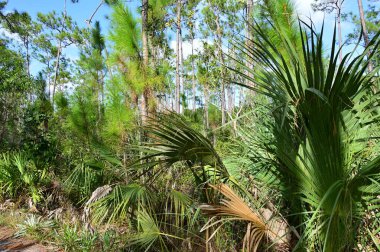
(9, 243)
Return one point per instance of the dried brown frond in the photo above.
(96, 195)
(259, 226)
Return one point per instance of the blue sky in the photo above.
(305, 10)
(79, 11)
(84, 8)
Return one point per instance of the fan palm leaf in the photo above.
(325, 117)
(122, 201)
(172, 141)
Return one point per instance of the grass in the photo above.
(11, 218)
(62, 234)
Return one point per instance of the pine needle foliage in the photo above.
(123, 22)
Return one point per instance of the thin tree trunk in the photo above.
(146, 92)
(339, 9)
(65, 8)
(249, 43)
(248, 18)
(27, 56)
(153, 62)
(223, 102)
(231, 99)
(249, 31)
(182, 82)
(100, 93)
(28, 62)
(193, 73)
(58, 55)
(365, 32)
(231, 93)
(48, 78)
(56, 69)
(178, 59)
(99, 81)
(241, 97)
(88, 21)
(223, 88)
(207, 98)
(102, 89)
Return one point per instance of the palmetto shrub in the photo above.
(20, 177)
(319, 149)
(323, 132)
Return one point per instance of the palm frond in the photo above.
(173, 140)
(177, 206)
(325, 117)
(259, 226)
(121, 202)
(150, 233)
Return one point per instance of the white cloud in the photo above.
(198, 46)
(13, 36)
(305, 11)
(186, 47)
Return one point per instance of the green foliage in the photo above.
(84, 179)
(119, 119)
(123, 23)
(150, 232)
(15, 86)
(61, 27)
(12, 74)
(122, 202)
(19, 175)
(35, 227)
(97, 38)
(71, 238)
(318, 136)
(175, 142)
(36, 138)
(282, 16)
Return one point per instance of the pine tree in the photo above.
(61, 29)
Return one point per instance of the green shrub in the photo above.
(20, 177)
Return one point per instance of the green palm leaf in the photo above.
(172, 141)
(324, 120)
